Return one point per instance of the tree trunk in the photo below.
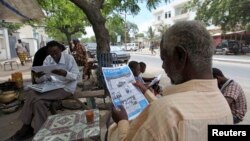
(92, 9)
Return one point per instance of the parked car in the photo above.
(122, 56)
(245, 49)
(228, 46)
(130, 47)
(91, 48)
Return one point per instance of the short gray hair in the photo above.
(193, 36)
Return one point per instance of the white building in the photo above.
(4, 44)
(34, 37)
(173, 12)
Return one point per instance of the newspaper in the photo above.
(157, 79)
(119, 81)
(46, 69)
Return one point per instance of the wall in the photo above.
(32, 44)
(4, 44)
(35, 37)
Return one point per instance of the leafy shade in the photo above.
(162, 29)
(115, 27)
(63, 19)
(12, 27)
(97, 10)
(151, 33)
(229, 14)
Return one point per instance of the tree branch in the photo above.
(83, 4)
(101, 3)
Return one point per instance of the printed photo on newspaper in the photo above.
(119, 81)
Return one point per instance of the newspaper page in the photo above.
(45, 69)
(119, 81)
(157, 79)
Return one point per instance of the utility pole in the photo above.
(125, 33)
(125, 22)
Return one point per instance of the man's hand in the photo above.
(141, 86)
(60, 72)
(119, 114)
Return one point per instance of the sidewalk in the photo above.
(245, 59)
(234, 59)
(6, 74)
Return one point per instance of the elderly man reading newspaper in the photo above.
(35, 109)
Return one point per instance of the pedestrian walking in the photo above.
(21, 51)
(152, 47)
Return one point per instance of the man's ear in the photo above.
(180, 56)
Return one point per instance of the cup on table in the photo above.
(89, 116)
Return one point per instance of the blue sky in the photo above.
(143, 20)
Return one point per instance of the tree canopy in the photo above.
(12, 27)
(115, 26)
(229, 14)
(151, 33)
(63, 19)
(96, 10)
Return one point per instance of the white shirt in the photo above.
(67, 62)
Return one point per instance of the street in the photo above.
(237, 71)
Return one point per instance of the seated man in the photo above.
(191, 104)
(234, 95)
(39, 58)
(156, 87)
(36, 104)
(135, 68)
(80, 54)
(142, 70)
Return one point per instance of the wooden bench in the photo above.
(76, 97)
(10, 62)
(90, 93)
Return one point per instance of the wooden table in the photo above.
(69, 126)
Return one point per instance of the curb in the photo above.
(214, 59)
(232, 61)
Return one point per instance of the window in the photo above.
(159, 18)
(168, 14)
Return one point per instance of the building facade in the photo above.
(5, 52)
(175, 11)
(33, 38)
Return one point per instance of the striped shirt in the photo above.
(182, 114)
(233, 90)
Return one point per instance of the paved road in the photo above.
(242, 57)
(237, 71)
